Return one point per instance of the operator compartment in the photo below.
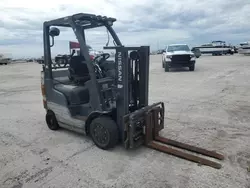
(72, 79)
(70, 75)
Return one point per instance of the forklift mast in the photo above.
(132, 70)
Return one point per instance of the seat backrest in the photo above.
(78, 69)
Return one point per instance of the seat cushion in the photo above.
(74, 94)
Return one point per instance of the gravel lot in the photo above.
(209, 107)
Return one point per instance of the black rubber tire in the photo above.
(51, 120)
(108, 132)
(166, 67)
(192, 68)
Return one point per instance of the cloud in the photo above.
(145, 22)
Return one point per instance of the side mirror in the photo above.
(53, 32)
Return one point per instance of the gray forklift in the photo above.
(105, 99)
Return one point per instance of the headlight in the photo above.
(192, 56)
(169, 56)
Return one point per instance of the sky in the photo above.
(139, 22)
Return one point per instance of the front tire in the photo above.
(191, 68)
(104, 132)
(166, 67)
(51, 120)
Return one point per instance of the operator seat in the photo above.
(76, 93)
(78, 71)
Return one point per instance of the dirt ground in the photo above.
(209, 107)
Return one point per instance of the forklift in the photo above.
(105, 99)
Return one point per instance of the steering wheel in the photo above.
(104, 56)
(96, 63)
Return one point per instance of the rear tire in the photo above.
(104, 132)
(51, 120)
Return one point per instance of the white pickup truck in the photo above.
(178, 55)
(4, 61)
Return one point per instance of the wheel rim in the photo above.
(100, 135)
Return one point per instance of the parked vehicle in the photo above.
(196, 52)
(4, 61)
(178, 55)
(216, 48)
(244, 48)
